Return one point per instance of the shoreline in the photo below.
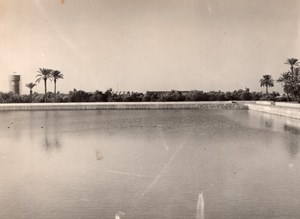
(122, 106)
(290, 110)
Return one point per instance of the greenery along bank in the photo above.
(111, 96)
(289, 80)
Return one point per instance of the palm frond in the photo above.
(266, 81)
(292, 62)
(38, 80)
(44, 74)
(57, 74)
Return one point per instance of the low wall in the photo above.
(265, 102)
(281, 110)
(123, 106)
(284, 104)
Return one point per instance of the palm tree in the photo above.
(44, 74)
(292, 62)
(296, 74)
(296, 83)
(56, 75)
(30, 86)
(266, 81)
(286, 80)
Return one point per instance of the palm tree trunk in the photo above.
(45, 84)
(267, 92)
(31, 95)
(55, 90)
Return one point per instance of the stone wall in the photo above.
(277, 109)
(123, 106)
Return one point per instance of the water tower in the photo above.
(14, 83)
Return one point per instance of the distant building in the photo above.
(14, 83)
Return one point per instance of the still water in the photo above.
(149, 164)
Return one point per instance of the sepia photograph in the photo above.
(149, 109)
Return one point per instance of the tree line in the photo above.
(290, 81)
(150, 96)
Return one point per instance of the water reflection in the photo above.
(172, 156)
(280, 125)
(52, 135)
(292, 129)
(267, 121)
(292, 146)
(261, 120)
(99, 155)
(293, 141)
(52, 145)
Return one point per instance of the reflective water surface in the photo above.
(149, 164)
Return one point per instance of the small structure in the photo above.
(14, 83)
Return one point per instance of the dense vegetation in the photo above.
(111, 96)
(289, 80)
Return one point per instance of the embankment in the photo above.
(123, 106)
(291, 110)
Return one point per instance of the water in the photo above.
(149, 164)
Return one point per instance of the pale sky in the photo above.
(140, 45)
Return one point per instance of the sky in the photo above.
(140, 45)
